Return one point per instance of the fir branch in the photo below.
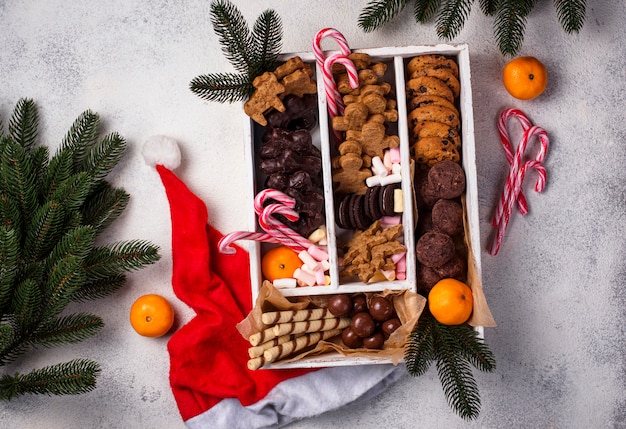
(425, 10)
(222, 87)
(472, 347)
(18, 178)
(420, 349)
(234, 34)
(99, 288)
(64, 280)
(106, 261)
(72, 328)
(23, 123)
(101, 157)
(10, 215)
(452, 17)
(510, 24)
(103, 206)
(489, 7)
(266, 40)
(82, 134)
(70, 378)
(9, 258)
(44, 230)
(25, 305)
(379, 12)
(77, 241)
(571, 14)
(73, 191)
(60, 168)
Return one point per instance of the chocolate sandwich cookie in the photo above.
(447, 217)
(426, 100)
(372, 206)
(434, 113)
(428, 85)
(447, 179)
(434, 249)
(432, 60)
(435, 129)
(387, 200)
(432, 150)
(357, 214)
(442, 74)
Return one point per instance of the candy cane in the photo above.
(317, 44)
(514, 194)
(529, 133)
(279, 230)
(273, 194)
(335, 103)
(224, 245)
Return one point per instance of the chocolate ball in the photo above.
(380, 308)
(359, 304)
(351, 339)
(363, 324)
(389, 326)
(340, 305)
(374, 341)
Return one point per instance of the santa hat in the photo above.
(210, 380)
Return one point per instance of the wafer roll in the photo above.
(311, 326)
(258, 350)
(263, 336)
(300, 343)
(256, 363)
(274, 317)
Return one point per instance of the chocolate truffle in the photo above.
(359, 304)
(363, 325)
(380, 308)
(351, 339)
(375, 341)
(340, 305)
(389, 326)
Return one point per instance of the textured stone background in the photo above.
(557, 288)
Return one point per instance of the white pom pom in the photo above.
(161, 150)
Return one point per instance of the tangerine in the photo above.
(450, 301)
(151, 315)
(279, 263)
(525, 77)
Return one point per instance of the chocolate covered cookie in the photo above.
(447, 217)
(447, 179)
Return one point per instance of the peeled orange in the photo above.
(450, 301)
(525, 77)
(279, 263)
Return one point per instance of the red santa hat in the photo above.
(210, 380)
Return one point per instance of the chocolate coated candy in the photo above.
(380, 308)
(363, 325)
(375, 341)
(300, 113)
(359, 304)
(277, 140)
(389, 326)
(340, 305)
(351, 339)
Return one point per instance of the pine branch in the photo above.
(103, 206)
(510, 24)
(222, 87)
(425, 10)
(77, 241)
(452, 17)
(25, 305)
(571, 14)
(23, 123)
(44, 230)
(72, 328)
(420, 349)
(267, 35)
(10, 215)
(101, 157)
(99, 288)
(106, 261)
(70, 378)
(471, 347)
(18, 179)
(234, 34)
(82, 134)
(489, 7)
(65, 279)
(379, 12)
(59, 169)
(9, 258)
(73, 191)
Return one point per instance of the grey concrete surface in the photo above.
(557, 288)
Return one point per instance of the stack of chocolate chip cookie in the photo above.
(432, 90)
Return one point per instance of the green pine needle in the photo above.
(102, 156)
(70, 378)
(108, 260)
(222, 87)
(24, 122)
(489, 7)
(103, 206)
(9, 264)
(99, 288)
(452, 17)
(68, 329)
(420, 350)
(571, 14)
(234, 34)
(379, 12)
(425, 10)
(510, 24)
(267, 35)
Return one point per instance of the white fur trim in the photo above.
(161, 150)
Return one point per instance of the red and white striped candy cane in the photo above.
(510, 195)
(335, 103)
(274, 194)
(317, 44)
(279, 230)
(224, 245)
(529, 133)
(508, 147)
